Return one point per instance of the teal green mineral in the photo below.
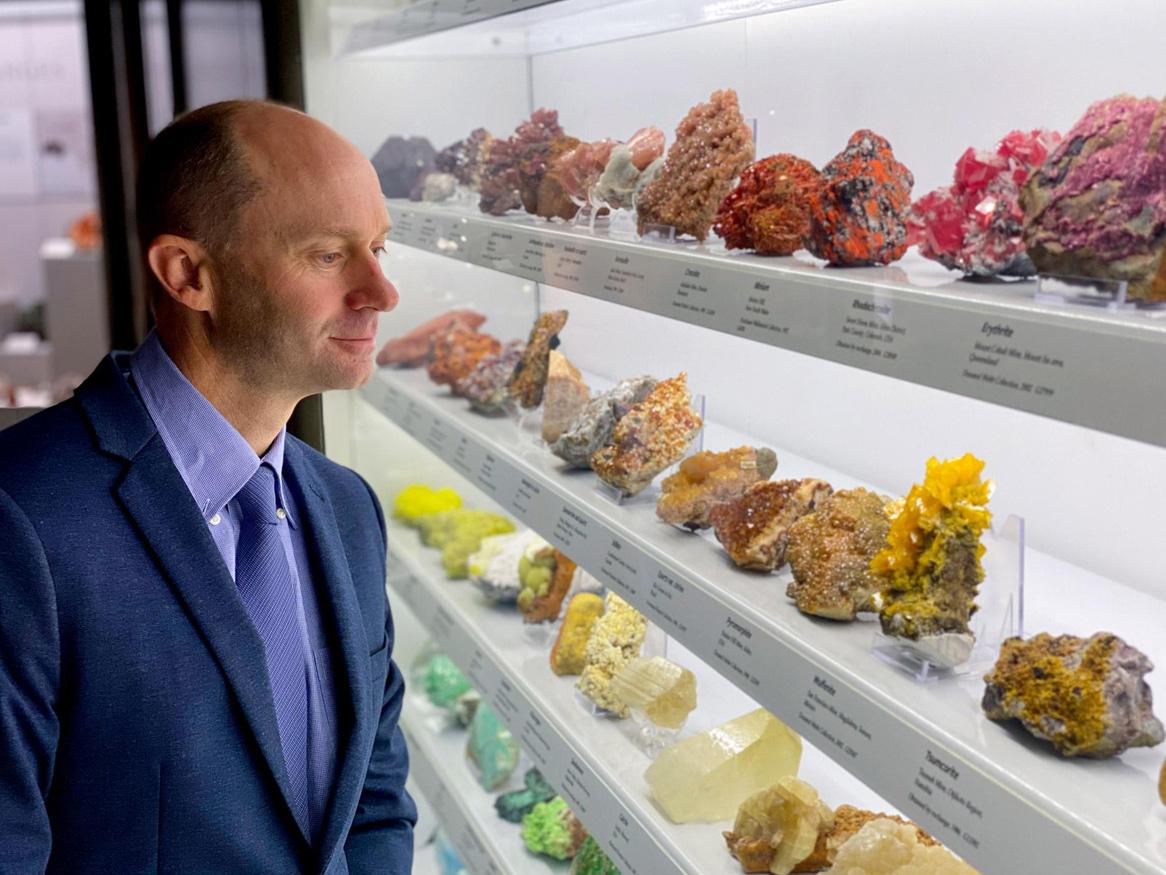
(491, 748)
(515, 805)
(443, 681)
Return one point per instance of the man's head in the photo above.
(263, 229)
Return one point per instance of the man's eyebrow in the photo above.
(338, 233)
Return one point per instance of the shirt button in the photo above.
(216, 519)
(279, 512)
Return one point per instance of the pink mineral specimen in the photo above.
(531, 145)
(579, 169)
(412, 350)
(974, 225)
(859, 212)
(713, 145)
(1097, 206)
(498, 185)
(646, 145)
(769, 210)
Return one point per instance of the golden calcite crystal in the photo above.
(931, 561)
(663, 690)
(615, 641)
(884, 847)
(707, 479)
(847, 821)
(530, 374)
(566, 394)
(706, 777)
(777, 828)
(652, 435)
(830, 551)
(569, 654)
(754, 529)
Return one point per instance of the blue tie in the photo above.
(267, 588)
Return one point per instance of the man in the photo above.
(195, 643)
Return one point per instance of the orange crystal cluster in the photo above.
(457, 352)
(707, 479)
(754, 529)
(769, 210)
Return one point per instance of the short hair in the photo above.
(194, 180)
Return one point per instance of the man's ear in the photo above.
(182, 267)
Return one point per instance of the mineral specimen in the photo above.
(931, 561)
(754, 529)
(830, 551)
(592, 861)
(616, 186)
(399, 162)
(412, 350)
(443, 681)
(769, 210)
(847, 821)
(494, 566)
(1095, 207)
(531, 144)
(615, 641)
(706, 777)
(664, 691)
(579, 169)
(458, 533)
(485, 386)
(1162, 784)
(553, 200)
(433, 187)
(646, 145)
(456, 352)
(885, 847)
(466, 707)
(569, 653)
(551, 828)
(605, 172)
(515, 805)
(548, 599)
(416, 501)
(975, 224)
(777, 828)
(647, 177)
(1087, 696)
(708, 479)
(712, 146)
(536, 568)
(653, 435)
(858, 214)
(565, 395)
(465, 157)
(491, 748)
(592, 428)
(530, 374)
(498, 183)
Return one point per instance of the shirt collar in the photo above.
(215, 461)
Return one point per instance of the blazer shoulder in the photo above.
(47, 447)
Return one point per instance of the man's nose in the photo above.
(375, 289)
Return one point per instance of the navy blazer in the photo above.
(137, 730)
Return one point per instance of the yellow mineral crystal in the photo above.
(416, 500)
(569, 655)
(663, 690)
(847, 821)
(884, 847)
(706, 777)
(615, 641)
(1162, 784)
(777, 828)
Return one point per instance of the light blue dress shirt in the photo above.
(215, 462)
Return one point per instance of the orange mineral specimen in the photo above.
(412, 350)
(713, 145)
(754, 529)
(457, 352)
(530, 374)
(769, 210)
(859, 213)
(708, 479)
(554, 198)
(546, 607)
(565, 394)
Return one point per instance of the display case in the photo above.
(896, 287)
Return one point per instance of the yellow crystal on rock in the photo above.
(569, 655)
(663, 690)
(615, 641)
(884, 847)
(416, 500)
(778, 828)
(706, 777)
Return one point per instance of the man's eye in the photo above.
(330, 258)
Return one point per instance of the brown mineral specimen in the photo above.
(654, 434)
(565, 395)
(456, 352)
(848, 820)
(754, 528)
(769, 210)
(530, 375)
(1087, 696)
(777, 828)
(1162, 784)
(531, 145)
(498, 185)
(554, 200)
(412, 350)
(859, 213)
(830, 552)
(464, 158)
(547, 606)
(485, 386)
(708, 479)
(713, 145)
(592, 428)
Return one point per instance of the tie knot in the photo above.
(257, 497)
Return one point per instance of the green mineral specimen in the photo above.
(443, 681)
(491, 747)
(517, 804)
(592, 861)
(552, 829)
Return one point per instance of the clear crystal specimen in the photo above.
(663, 690)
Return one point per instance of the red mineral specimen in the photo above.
(769, 210)
(412, 350)
(646, 144)
(531, 145)
(457, 352)
(498, 186)
(579, 168)
(858, 214)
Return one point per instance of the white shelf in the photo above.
(423, 17)
(912, 320)
(1008, 804)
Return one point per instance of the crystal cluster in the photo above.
(569, 653)
(830, 551)
(536, 567)
(592, 427)
(515, 805)
(754, 529)
(886, 847)
(485, 386)
(464, 158)
(859, 211)
(615, 641)
(494, 566)
(458, 533)
(498, 182)
(548, 599)
(1086, 696)
(400, 162)
(777, 828)
(706, 777)
(605, 172)
(931, 561)
(457, 352)
(553, 200)
(565, 395)
(707, 479)
(551, 828)
(416, 501)
(491, 748)
(412, 350)
(975, 224)
(1162, 784)
(846, 823)
(712, 146)
(579, 169)
(769, 210)
(433, 187)
(592, 861)
(1095, 207)
(530, 374)
(660, 689)
(532, 143)
(653, 435)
